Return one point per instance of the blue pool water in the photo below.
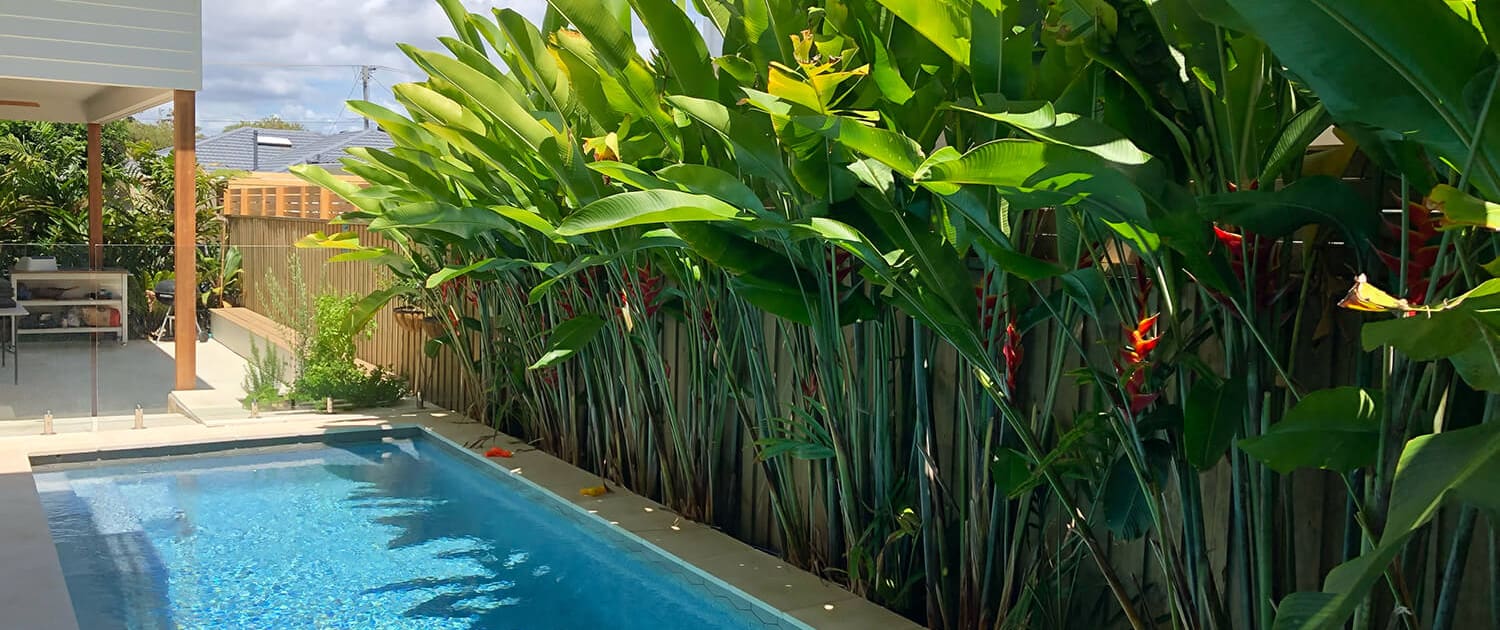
(399, 533)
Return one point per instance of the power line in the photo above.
(268, 64)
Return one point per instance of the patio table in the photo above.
(12, 348)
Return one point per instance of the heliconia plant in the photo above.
(996, 297)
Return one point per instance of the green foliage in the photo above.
(44, 203)
(269, 122)
(264, 375)
(328, 368)
(1335, 429)
(638, 261)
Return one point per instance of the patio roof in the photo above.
(90, 62)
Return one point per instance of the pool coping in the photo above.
(35, 595)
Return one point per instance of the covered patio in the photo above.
(88, 63)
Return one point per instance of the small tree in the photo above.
(269, 122)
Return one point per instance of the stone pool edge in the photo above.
(34, 594)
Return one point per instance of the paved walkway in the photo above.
(59, 375)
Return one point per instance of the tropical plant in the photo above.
(799, 240)
(329, 369)
(264, 375)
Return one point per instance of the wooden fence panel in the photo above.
(267, 247)
(266, 244)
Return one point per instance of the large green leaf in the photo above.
(1211, 418)
(1041, 174)
(754, 147)
(1321, 200)
(369, 305)
(945, 23)
(677, 39)
(1033, 174)
(1296, 135)
(1040, 120)
(1334, 429)
(707, 180)
(567, 338)
(645, 207)
(1465, 332)
(1404, 67)
(1462, 465)
(888, 147)
(437, 217)
(1127, 509)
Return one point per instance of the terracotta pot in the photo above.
(409, 317)
(433, 326)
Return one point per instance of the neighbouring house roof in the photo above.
(237, 150)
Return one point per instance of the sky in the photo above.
(298, 59)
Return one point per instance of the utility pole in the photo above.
(365, 74)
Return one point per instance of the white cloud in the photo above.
(299, 59)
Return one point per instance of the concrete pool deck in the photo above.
(34, 594)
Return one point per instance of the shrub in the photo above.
(264, 374)
(328, 368)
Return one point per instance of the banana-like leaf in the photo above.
(1333, 429)
(1126, 507)
(707, 180)
(1464, 210)
(1299, 132)
(1407, 68)
(346, 190)
(892, 149)
(1461, 465)
(680, 44)
(567, 338)
(1034, 174)
(1321, 200)
(1465, 331)
(1038, 119)
(754, 148)
(645, 207)
(450, 272)
(945, 23)
(436, 217)
(1211, 418)
(368, 306)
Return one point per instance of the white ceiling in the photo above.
(60, 101)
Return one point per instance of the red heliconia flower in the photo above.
(650, 287)
(842, 264)
(1233, 187)
(1259, 251)
(498, 452)
(1139, 400)
(1138, 346)
(1421, 254)
(988, 304)
(708, 327)
(1013, 353)
(567, 310)
(1135, 358)
(810, 384)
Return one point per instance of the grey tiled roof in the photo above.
(236, 149)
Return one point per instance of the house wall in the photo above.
(127, 43)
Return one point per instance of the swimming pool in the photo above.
(393, 532)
